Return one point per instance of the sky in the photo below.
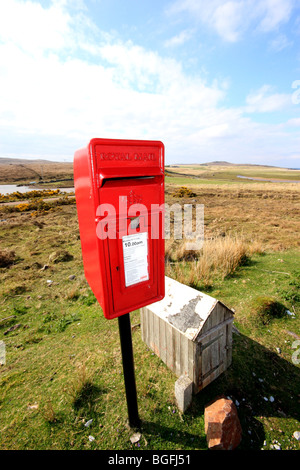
(217, 80)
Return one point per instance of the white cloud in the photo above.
(179, 39)
(280, 42)
(53, 99)
(295, 122)
(230, 19)
(39, 31)
(138, 69)
(126, 89)
(223, 17)
(264, 100)
(274, 13)
(34, 29)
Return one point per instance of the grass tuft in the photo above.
(265, 309)
(7, 258)
(60, 256)
(48, 413)
(218, 259)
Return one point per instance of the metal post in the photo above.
(128, 369)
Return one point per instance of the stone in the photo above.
(44, 267)
(33, 407)
(275, 446)
(296, 435)
(222, 426)
(183, 393)
(135, 437)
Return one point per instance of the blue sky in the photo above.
(216, 80)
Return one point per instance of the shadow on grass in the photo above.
(87, 396)
(166, 434)
(263, 385)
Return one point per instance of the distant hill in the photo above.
(224, 163)
(218, 162)
(241, 164)
(22, 161)
(25, 161)
(17, 170)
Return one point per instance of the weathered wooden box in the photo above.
(191, 332)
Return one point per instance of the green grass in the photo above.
(63, 359)
(263, 364)
(271, 275)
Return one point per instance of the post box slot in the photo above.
(105, 181)
(135, 222)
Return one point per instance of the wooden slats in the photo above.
(202, 359)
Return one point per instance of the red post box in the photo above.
(119, 189)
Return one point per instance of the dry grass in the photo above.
(218, 258)
(34, 171)
(268, 214)
(239, 221)
(48, 412)
(6, 258)
(80, 380)
(230, 171)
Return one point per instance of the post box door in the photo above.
(133, 257)
(128, 285)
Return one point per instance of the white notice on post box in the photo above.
(135, 252)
